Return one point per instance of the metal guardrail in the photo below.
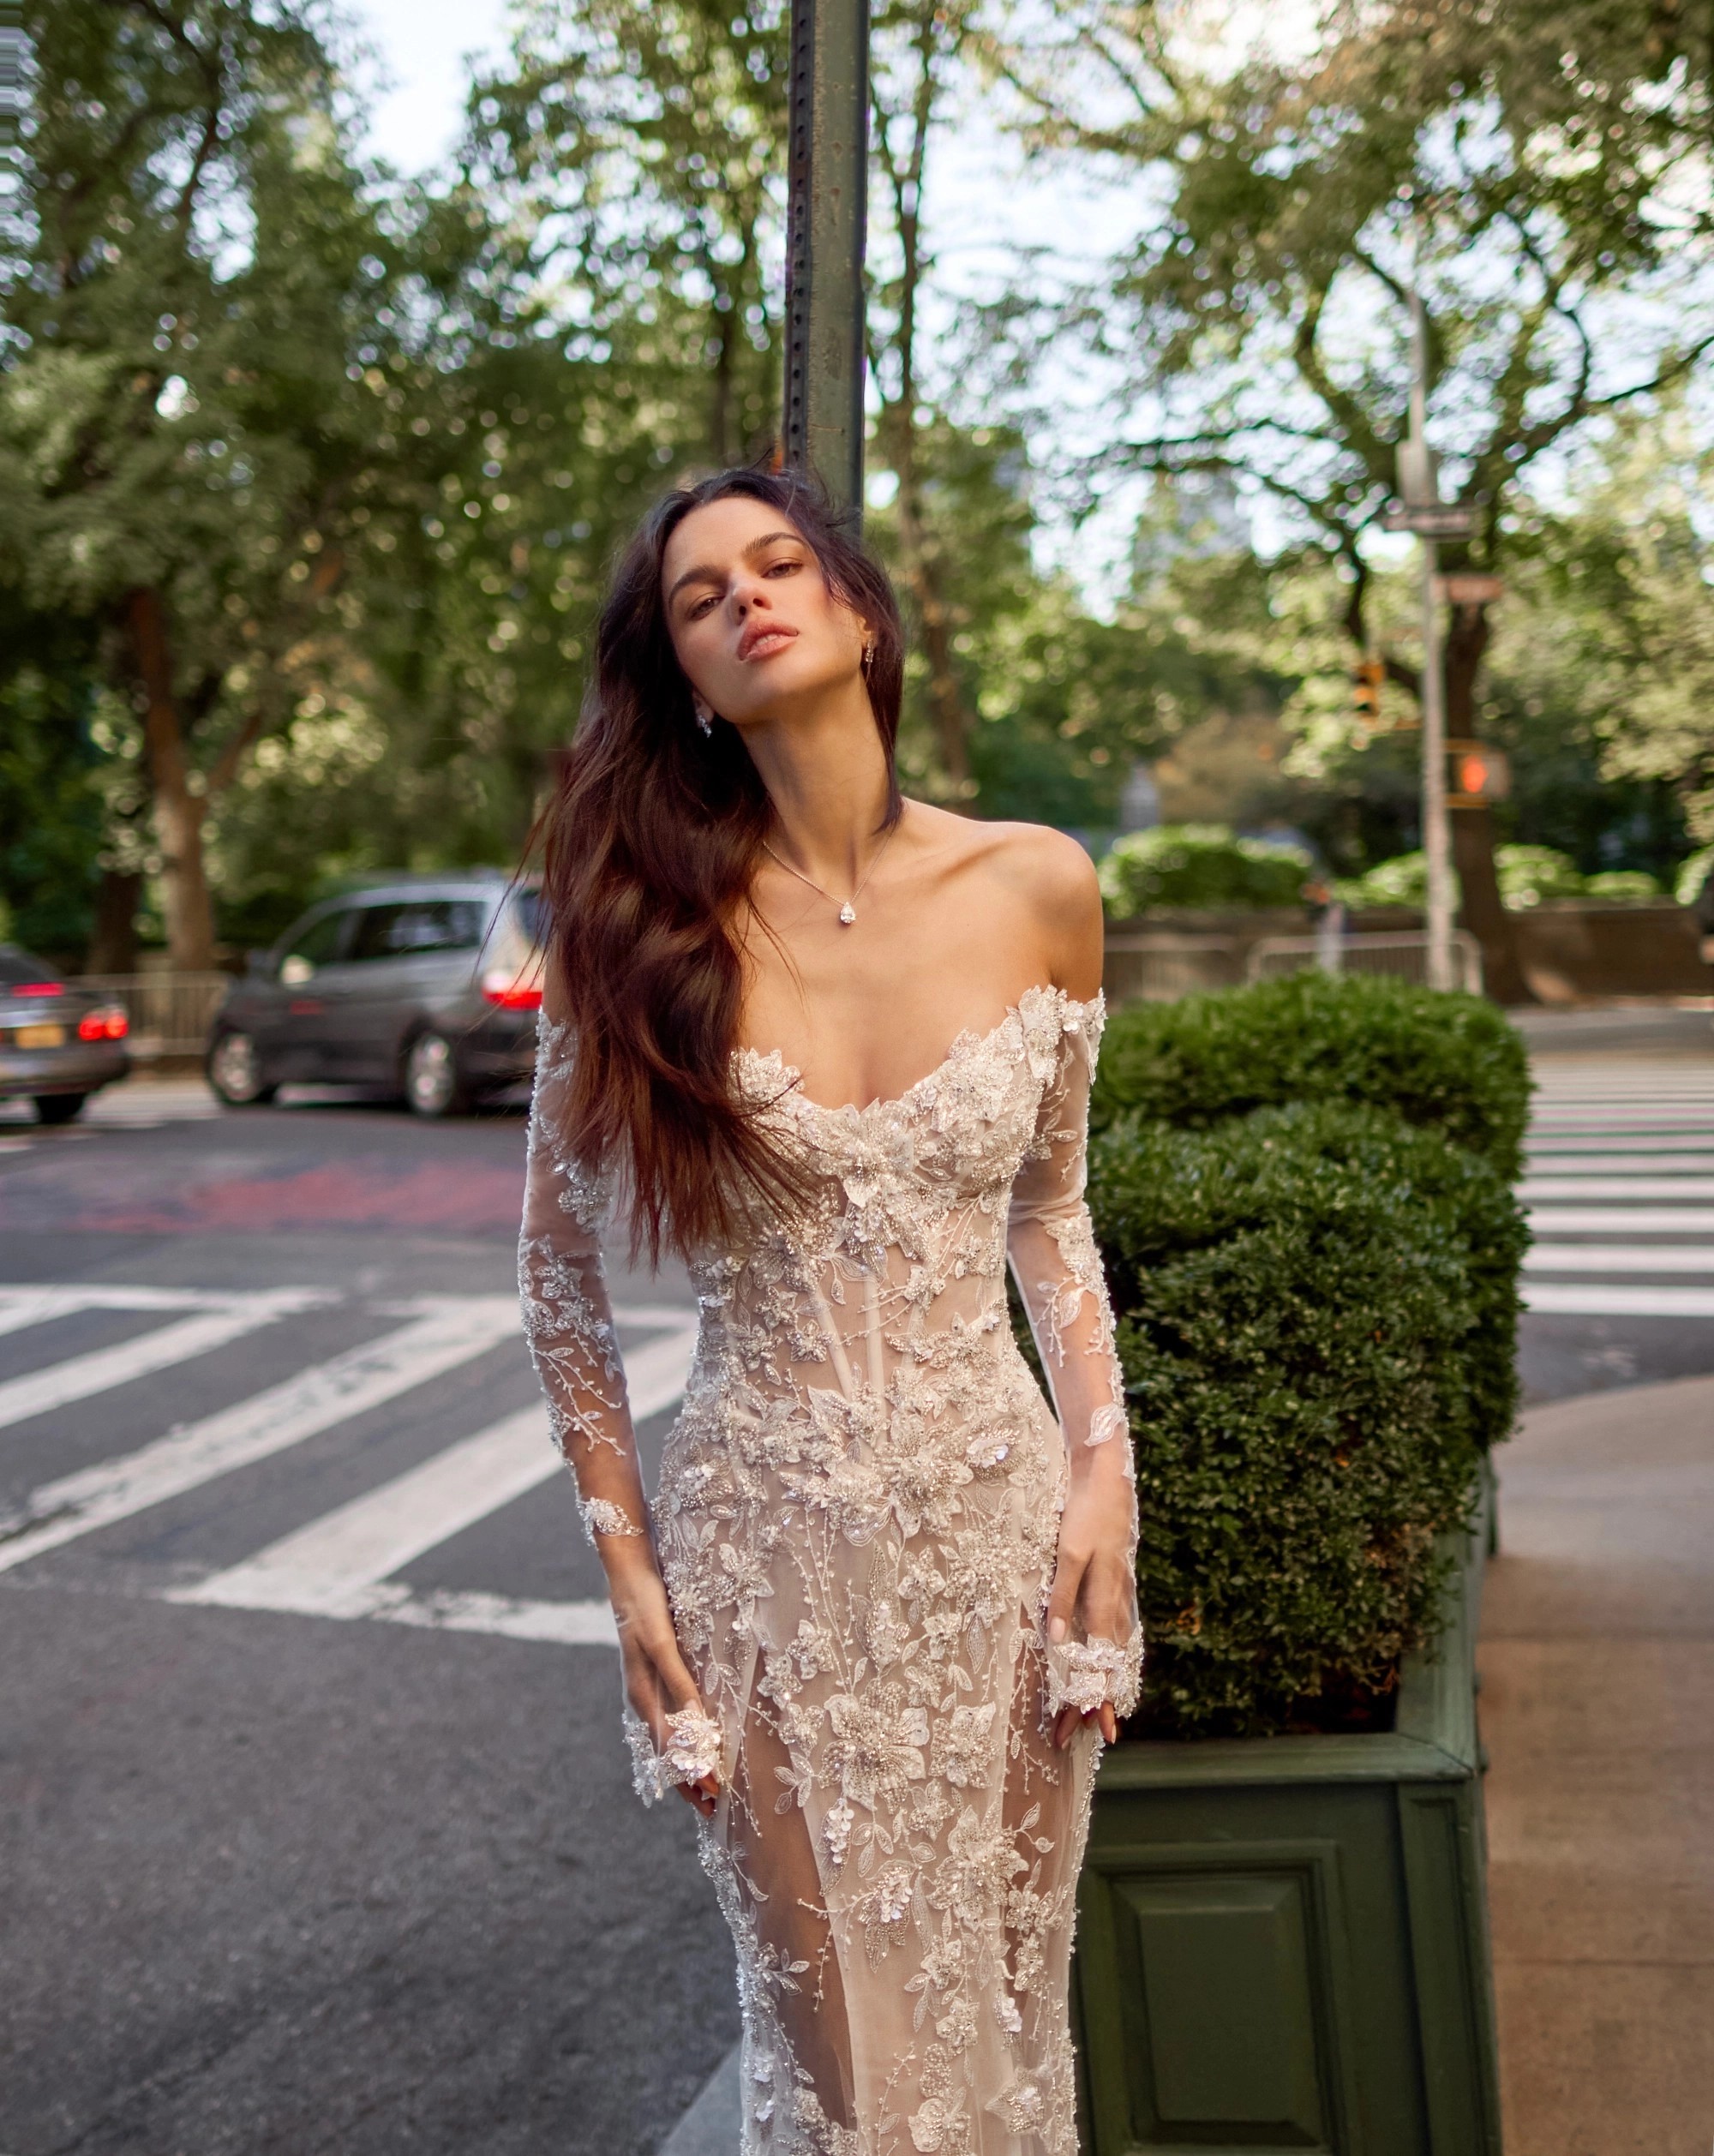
(1158, 969)
(169, 1013)
(1406, 955)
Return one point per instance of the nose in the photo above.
(748, 591)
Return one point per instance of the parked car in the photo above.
(58, 1043)
(425, 986)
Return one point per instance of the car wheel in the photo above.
(59, 1107)
(433, 1084)
(234, 1072)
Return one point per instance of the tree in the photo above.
(640, 144)
(1531, 178)
(210, 331)
(917, 51)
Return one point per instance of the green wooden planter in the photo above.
(1283, 1941)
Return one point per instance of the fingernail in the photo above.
(1056, 1631)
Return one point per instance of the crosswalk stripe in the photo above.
(103, 1294)
(1599, 1186)
(337, 1565)
(1558, 1219)
(1620, 1257)
(450, 1331)
(581, 1624)
(80, 1376)
(1613, 1299)
(1578, 1160)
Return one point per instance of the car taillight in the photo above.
(511, 992)
(37, 988)
(109, 1024)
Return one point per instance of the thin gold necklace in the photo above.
(847, 912)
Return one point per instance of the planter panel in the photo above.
(1283, 1943)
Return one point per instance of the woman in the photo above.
(835, 1047)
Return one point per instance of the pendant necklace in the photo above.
(847, 912)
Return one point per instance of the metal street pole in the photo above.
(1436, 832)
(828, 176)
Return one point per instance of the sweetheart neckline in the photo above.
(964, 1044)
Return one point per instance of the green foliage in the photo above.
(1449, 1062)
(1199, 864)
(1693, 874)
(52, 820)
(1296, 1317)
(1624, 886)
(1528, 876)
(1531, 874)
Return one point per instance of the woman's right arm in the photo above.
(568, 1321)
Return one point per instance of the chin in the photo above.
(786, 679)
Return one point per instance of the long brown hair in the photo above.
(652, 841)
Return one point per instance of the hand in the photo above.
(1093, 1595)
(657, 1681)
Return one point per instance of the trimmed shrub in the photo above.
(1450, 1062)
(1199, 864)
(1296, 1313)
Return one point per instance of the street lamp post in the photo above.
(829, 177)
(1421, 490)
(1420, 510)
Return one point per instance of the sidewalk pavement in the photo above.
(1598, 1709)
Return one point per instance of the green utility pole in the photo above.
(825, 230)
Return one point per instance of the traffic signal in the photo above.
(1476, 774)
(1365, 692)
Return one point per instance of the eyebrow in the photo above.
(755, 546)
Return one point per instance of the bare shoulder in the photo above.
(1038, 874)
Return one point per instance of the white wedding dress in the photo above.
(856, 1521)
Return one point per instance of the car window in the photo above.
(373, 936)
(316, 942)
(19, 970)
(422, 925)
(531, 910)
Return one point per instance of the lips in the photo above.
(763, 639)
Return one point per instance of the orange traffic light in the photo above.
(1476, 774)
(1365, 692)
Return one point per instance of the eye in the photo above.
(697, 607)
(786, 566)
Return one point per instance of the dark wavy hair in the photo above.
(650, 845)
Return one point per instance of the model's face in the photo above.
(752, 620)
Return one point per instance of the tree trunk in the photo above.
(1472, 829)
(113, 934)
(179, 812)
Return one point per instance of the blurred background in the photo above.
(341, 346)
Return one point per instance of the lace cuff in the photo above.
(602, 1516)
(1086, 1673)
(692, 1752)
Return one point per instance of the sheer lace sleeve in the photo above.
(1051, 1246)
(567, 1318)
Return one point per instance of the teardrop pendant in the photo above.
(848, 914)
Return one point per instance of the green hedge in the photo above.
(1302, 1334)
(1447, 1061)
(1200, 865)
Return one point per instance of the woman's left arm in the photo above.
(1093, 1641)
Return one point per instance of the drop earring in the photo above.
(704, 716)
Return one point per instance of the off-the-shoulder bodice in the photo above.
(857, 1519)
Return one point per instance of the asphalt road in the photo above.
(294, 1882)
(317, 1830)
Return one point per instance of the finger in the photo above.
(1110, 1722)
(1062, 1601)
(1064, 1724)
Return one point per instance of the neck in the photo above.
(826, 774)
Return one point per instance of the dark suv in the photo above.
(427, 986)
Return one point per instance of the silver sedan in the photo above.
(58, 1043)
